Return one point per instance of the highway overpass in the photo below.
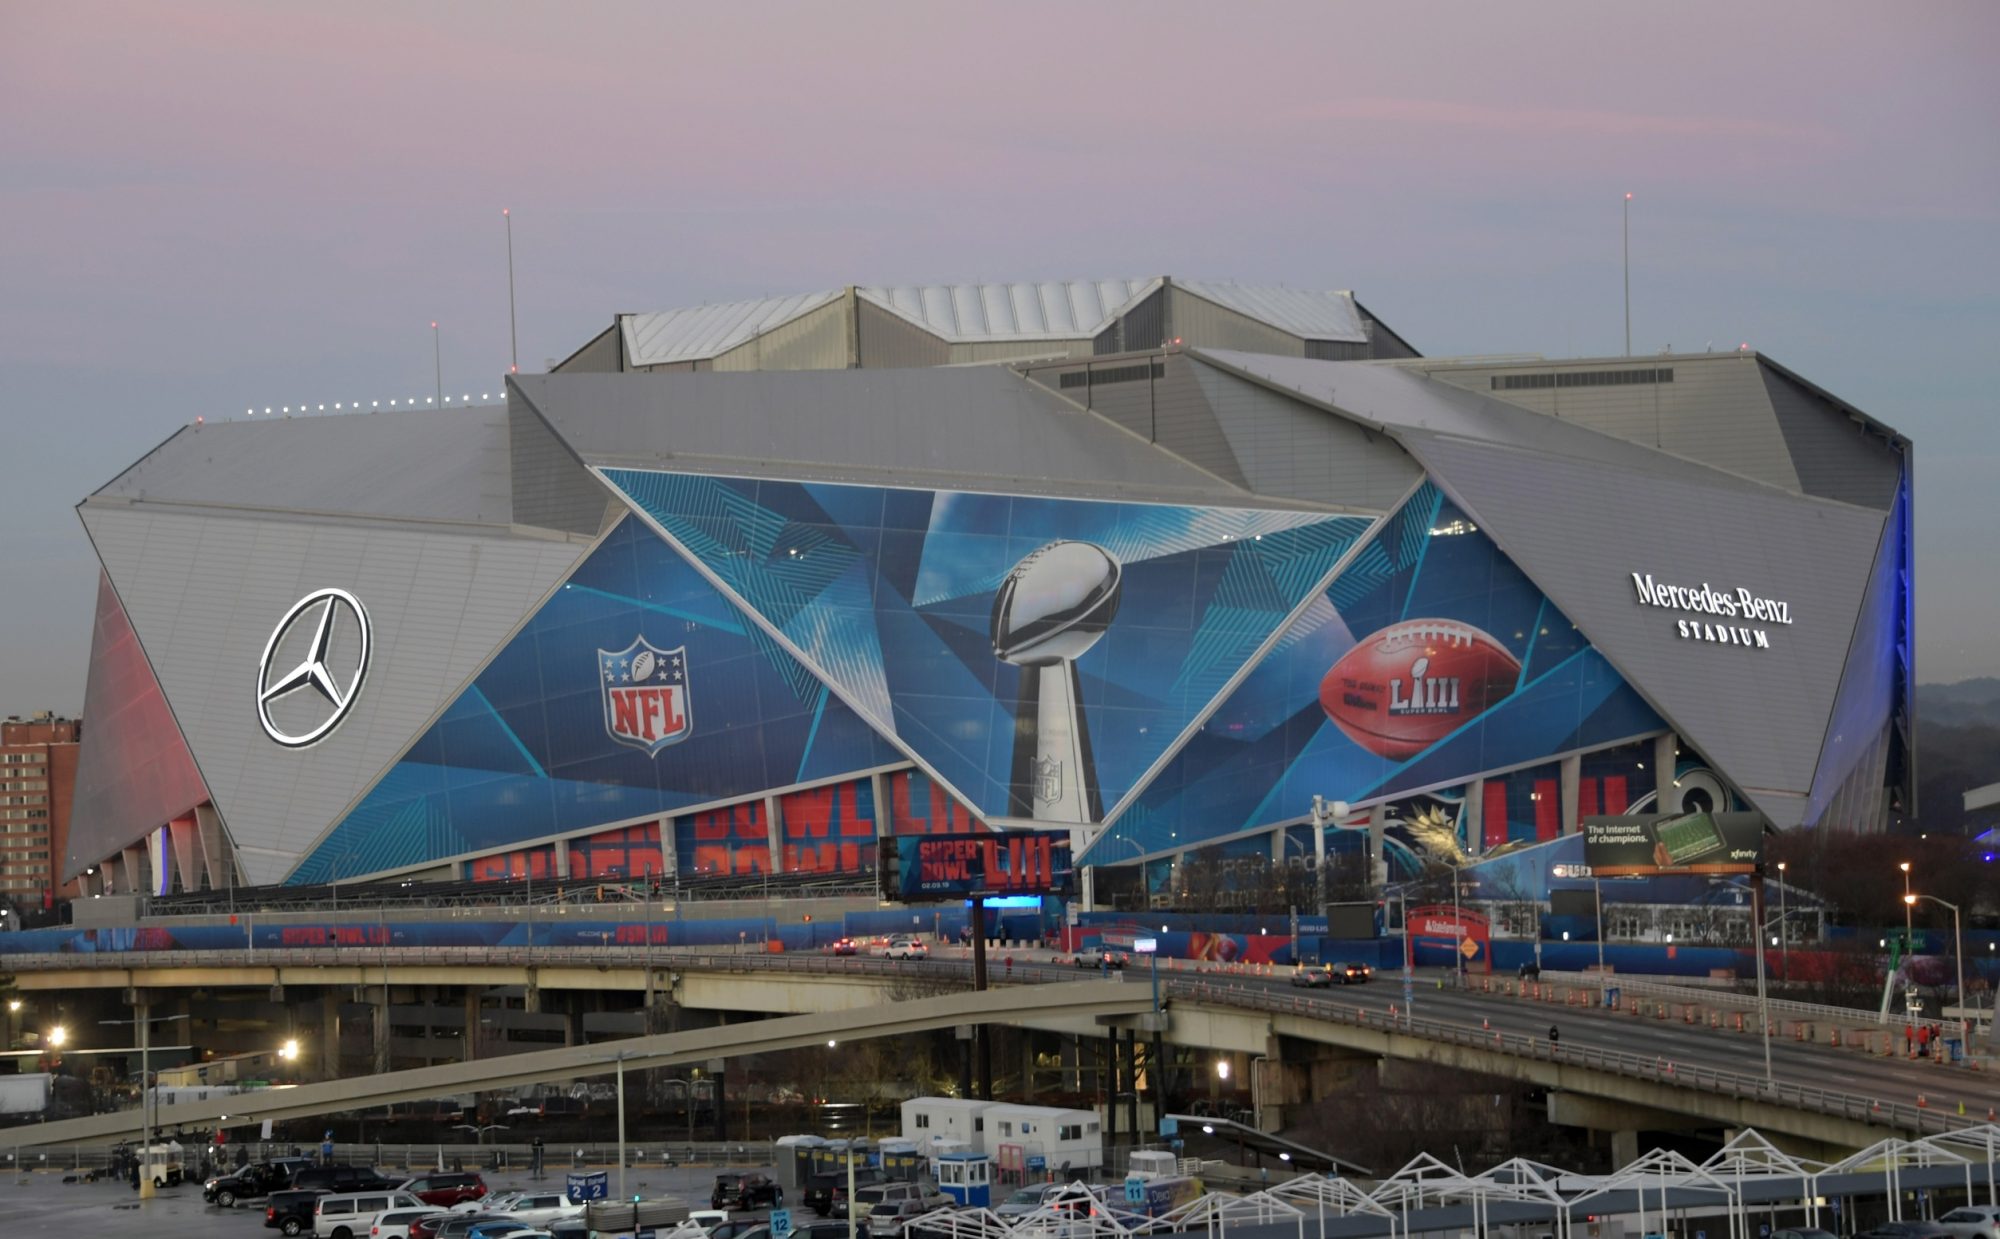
(1662, 1065)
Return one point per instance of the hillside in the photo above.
(1958, 747)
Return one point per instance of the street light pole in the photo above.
(1597, 888)
(1958, 949)
(1784, 928)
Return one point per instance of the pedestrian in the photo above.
(1924, 1041)
(1910, 1039)
(538, 1156)
(1555, 1034)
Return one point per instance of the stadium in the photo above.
(1181, 567)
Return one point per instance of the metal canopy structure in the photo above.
(1428, 1195)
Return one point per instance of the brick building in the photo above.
(37, 785)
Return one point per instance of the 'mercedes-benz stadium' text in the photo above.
(1725, 604)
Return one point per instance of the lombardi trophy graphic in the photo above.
(1051, 608)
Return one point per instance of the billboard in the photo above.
(1652, 843)
(1016, 862)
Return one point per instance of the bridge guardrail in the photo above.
(1653, 1069)
(1816, 1011)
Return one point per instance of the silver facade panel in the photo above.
(973, 428)
(996, 351)
(1304, 313)
(889, 342)
(135, 773)
(551, 488)
(437, 464)
(605, 354)
(1836, 457)
(1580, 534)
(699, 333)
(1288, 448)
(1200, 323)
(1185, 425)
(1713, 413)
(204, 593)
(815, 340)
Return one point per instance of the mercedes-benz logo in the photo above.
(332, 668)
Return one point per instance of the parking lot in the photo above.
(40, 1203)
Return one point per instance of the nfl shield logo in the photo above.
(645, 695)
(1048, 779)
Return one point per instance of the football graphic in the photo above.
(642, 666)
(1404, 688)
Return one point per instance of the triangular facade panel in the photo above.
(953, 621)
(136, 774)
(635, 691)
(206, 594)
(1732, 604)
(1428, 661)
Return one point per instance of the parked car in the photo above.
(395, 1223)
(1348, 973)
(1318, 976)
(540, 1208)
(347, 1215)
(845, 946)
(745, 1191)
(343, 1179)
(486, 1206)
(452, 1225)
(290, 1212)
(1973, 1222)
(1028, 1199)
(1804, 1232)
(740, 1228)
(505, 1228)
(902, 946)
(887, 1220)
(1906, 1230)
(820, 1230)
(866, 1198)
(826, 1194)
(1098, 956)
(446, 1190)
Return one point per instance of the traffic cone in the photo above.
(1961, 1108)
(1923, 1102)
(1486, 1023)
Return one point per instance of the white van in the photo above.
(348, 1215)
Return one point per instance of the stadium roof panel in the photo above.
(970, 428)
(701, 332)
(1304, 312)
(432, 465)
(983, 313)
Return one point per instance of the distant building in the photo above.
(37, 784)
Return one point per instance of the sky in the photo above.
(211, 207)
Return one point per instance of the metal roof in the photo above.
(981, 313)
(706, 331)
(1304, 312)
(435, 465)
(973, 428)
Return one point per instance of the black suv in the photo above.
(342, 1179)
(826, 1194)
(745, 1191)
(291, 1211)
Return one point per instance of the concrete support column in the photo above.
(1474, 817)
(379, 1008)
(531, 993)
(217, 862)
(1278, 846)
(1572, 784)
(1624, 1147)
(669, 856)
(329, 1033)
(885, 825)
(1663, 768)
(774, 831)
(559, 851)
(471, 1039)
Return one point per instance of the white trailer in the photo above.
(27, 1093)
(932, 1121)
(1036, 1141)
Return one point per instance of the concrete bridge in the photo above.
(1622, 1072)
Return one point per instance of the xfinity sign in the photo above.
(1718, 609)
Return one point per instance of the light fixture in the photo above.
(289, 1050)
(831, 1044)
(58, 1036)
(1207, 1130)
(1222, 1069)
(13, 1004)
(1284, 1157)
